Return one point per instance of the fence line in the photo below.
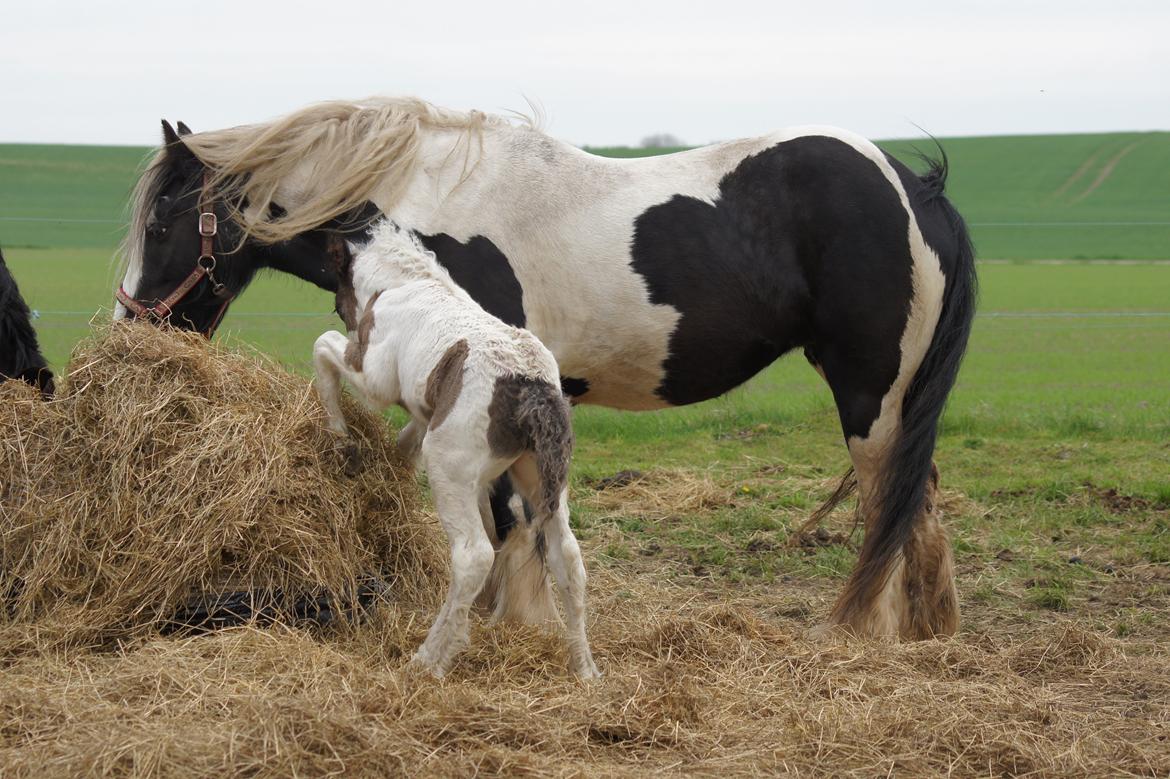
(56, 220)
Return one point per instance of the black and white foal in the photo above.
(20, 356)
(484, 398)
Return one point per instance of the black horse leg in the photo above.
(501, 503)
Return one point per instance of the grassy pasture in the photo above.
(1056, 477)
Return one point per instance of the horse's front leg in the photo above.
(410, 441)
(330, 366)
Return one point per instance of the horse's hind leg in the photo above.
(455, 476)
(564, 558)
(563, 555)
(903, 583)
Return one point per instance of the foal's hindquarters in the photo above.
(496, 424)
(458, 477)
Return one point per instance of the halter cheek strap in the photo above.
(204, 267)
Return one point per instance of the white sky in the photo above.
(605, 72)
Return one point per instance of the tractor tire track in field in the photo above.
(1077, 174)
(1106, 171)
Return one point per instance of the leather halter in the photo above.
(204, 267)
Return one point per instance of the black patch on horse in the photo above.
(574, 387)
(805, 245)
(482, 269)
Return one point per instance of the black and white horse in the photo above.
(655, 282)
(20, 356)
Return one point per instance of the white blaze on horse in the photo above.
(655, 282)
(484, 399)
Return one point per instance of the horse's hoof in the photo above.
(421, 664)
(587, 671)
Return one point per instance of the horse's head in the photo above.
(190, 258)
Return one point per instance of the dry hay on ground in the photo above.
(657, 494)
(690, 688)
(169, 469)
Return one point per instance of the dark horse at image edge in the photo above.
(655, 282)
(20, 356)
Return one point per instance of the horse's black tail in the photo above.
(908, 468)
(20, 355)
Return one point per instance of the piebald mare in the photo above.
(655, 282)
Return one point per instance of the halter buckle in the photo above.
(208, 224)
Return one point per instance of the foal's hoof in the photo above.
(422, 665)
(352, 459)
(588, 672)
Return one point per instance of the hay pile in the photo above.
(169, 471)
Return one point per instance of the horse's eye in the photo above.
(156, 230)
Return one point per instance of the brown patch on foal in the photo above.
(355, 351)
(505, 437)
(446, 382)
(346, 301)
(530, 414)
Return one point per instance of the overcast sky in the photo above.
(604, 72)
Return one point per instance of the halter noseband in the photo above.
(204, 267)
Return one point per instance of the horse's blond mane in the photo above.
(355, 147)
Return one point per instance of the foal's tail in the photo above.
(908, 468)
(543, 414)
(519, 584)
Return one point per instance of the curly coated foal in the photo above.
(485, 399)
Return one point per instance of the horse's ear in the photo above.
(183, 129)
(177, 151)
(170, 137)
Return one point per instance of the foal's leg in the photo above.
(455, 476)
(410, 441)
(563, 556)
(330, 366)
